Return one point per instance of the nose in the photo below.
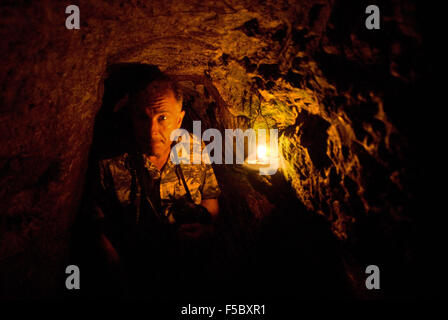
(154, 128)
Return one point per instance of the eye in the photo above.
(163, 118)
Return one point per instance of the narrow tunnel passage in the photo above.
(267, 242)
(353, 187)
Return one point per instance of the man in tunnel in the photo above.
(154, 218)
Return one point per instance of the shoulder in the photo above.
(188, 150)
(115, 165)
(120, 159)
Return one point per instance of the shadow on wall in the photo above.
(112, 132)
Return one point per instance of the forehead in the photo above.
(165, 102)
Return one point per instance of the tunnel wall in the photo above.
(309, 68)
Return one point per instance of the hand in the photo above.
(187, 212)
(195, 231)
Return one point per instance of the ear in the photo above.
(181, 117)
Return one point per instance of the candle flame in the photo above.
(262, 152)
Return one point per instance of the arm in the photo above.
(109, 250)
(101, 205)
(105, 245)
(210, 192)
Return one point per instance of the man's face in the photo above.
(154, 122)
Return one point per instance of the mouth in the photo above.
(157, 142)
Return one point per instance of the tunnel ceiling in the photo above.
(309, 67)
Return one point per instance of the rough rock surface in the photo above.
(334, 90)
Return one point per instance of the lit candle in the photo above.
(262, 153)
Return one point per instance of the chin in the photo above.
(157, 151)
(153, 150)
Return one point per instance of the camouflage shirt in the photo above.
(119, 180)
